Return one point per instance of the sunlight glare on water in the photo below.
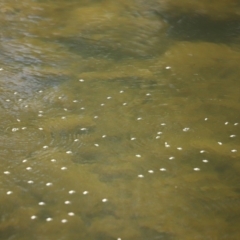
(119, 120)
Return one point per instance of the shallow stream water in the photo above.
(119, 120)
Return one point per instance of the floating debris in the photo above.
(72, 192)
(196, 169)
(162, 169)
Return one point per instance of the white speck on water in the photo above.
(68, 152)
(59, 97)
(49, 219)
(63, 117)
(235, 124)
(140, 176)
(95, 117)
(85, 192)
(81, 80)
(232, 136)
(18, 120)
(205, 119)
(75, 101)
(163, 169)
(157, 137)
(226, 123)
(9, 192)
(179, 148)
(104, 200)
(202, 151)
(65, 109)
(30, 182)
(159, 133)
(15, 129)
(168, 67)
(26, 106)
(82, 108)
(1, 69)
(233, 150)
(40, 115)
(40, 129)
(96, 145)
(121, 91)
(33, 217)
(20, 99)
(133, 138)
(6, 172)
(171, 158)
(49, 184)
(139, 118)
(24, 160)
(150, 171)
(45, 147)
(53, 160)
(148, 94)
(109, 97)
(63, 168)
(166, 144)
(102, 104)
(124, 104)
(24, 128)
(72, 192)
(7, 100)
(83, 129)
(186, 129)
(205, 160)
(67, 202)
(103, 136)
(64, 220)
(29, 168)
(220, 143)
(138, 155)
(41, 203)
(196, 169)
(71, 214)
(40, 91)
(76, 140)
(163, 124)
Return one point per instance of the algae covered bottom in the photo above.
(118, 121)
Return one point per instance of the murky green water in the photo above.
(119, 120)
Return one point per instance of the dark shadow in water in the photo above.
(201, 28)
(108, 49)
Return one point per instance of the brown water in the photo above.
(119, 120)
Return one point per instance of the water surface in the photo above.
(119, 120)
